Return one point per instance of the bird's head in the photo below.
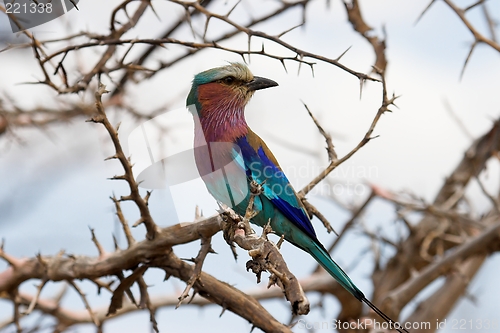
(226, 88)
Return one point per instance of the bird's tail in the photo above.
(392, 323)
(323, 258)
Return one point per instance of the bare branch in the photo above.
(332, 155)
(82, 267)
(84, 299)
(101, 118)
(117, 299)
(206, 247)
(405, 292)
(33, 302)
(386, 103)
(101, 250)
(123, 221)
(266, 257)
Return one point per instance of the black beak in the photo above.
(260, 83)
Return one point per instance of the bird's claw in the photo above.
(256, 188)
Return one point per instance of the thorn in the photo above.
(280, 242)
(223, 309)
(139, 221)
(100, 249)
(192, 296)
(146, 198)
(126, 198)
(180, 298)
(205, 30)
(93, 120)
(231, 10)
(235, 254)
(243, 58)
(361, 82)
(343, 53)
(111, 157)
(249, 44)
(193, 260)
(188, 19)
(304, 7)
(115, 241)
(288, 30)
(40, 259)
(267, 229)
(283, 63)
(154, 12)
(425, 10)
(467, 59)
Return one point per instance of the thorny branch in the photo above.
(447, 241)
(400, 296)
(386, 103)
(266, 257)
(442, 227)
(156, 252)
(479, 38)
(128, 176)
(206, 248)
(115, 38)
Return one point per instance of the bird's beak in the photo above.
(260, 83)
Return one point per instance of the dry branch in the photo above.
(265, 257)
(134, 195)
(441, 302)
(399, 297)
(358, 23)
(397, 275)
(71, 267)
(386, 103)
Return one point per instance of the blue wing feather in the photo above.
(276, 186)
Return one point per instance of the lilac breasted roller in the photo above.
(229, 156)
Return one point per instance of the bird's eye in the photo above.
(228, 80)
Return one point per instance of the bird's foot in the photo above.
(256, 188)
(267, 230)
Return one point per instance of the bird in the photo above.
(229, 156)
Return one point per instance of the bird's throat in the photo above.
(221, 116)
(225, 126)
